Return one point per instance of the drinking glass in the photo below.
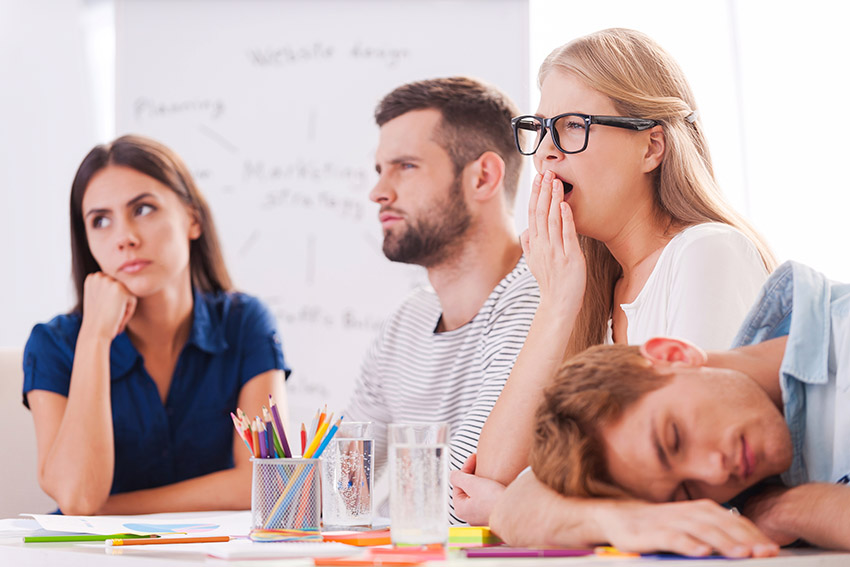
(419, 483)
(347, 476)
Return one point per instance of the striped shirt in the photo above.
(413, 373)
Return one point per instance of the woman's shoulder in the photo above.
(234, 308)
(711, 239)
(62, 330)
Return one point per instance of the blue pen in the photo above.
(327, 439)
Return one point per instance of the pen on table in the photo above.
(281, 433)
(86, 537)
(164, 540)
(327, 438)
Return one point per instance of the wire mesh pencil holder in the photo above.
(286, 494)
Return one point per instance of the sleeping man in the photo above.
(636, 446)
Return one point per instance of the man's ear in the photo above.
(486, 175)
(665, 350)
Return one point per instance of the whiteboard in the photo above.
(271, 105)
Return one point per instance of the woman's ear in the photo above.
(486, 175)
(655, 149)
(665, 350)
(195, 229)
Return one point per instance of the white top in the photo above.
(700, 290)
(413, 374)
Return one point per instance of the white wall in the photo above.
(768, 75)
(46, 126)
(771, 84)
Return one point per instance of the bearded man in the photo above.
(448, 173)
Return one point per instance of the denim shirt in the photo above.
(815, 374)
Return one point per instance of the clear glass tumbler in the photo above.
(419, 483)
(347, 476)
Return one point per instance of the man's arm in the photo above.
(530, 513)
(818, 513)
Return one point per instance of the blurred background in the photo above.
(766, 74)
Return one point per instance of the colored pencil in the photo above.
(281, 433)
(313, 427)
(311, 448)
(327, 439)
(164, 540)
(264, 442)
(275, 448)
(322, 417)
(526, 552)
(303, 438)
(238, 425)
(87, 537)
(255, 435)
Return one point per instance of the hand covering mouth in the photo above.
(567, 186)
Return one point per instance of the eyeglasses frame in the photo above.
(638, 124)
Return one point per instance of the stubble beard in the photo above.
(432, 238)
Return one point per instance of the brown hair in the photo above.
(644, 81)
(476, 118)
(206, 263)
(590, 391)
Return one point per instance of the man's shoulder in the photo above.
(420, 309)
(518, 289)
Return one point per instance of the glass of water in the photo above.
(347, 476)
(419, 483)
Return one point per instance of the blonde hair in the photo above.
(644, 81)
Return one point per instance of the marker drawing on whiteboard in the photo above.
(218, 138)
(311, 260)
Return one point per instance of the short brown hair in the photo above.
(206, 263)
(476, 119)
(591, 390)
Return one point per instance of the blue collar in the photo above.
(807, 352)
(207, 334)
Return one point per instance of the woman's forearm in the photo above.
(508, 432)
(77, 468)
(223, 490)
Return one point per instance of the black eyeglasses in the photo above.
(570, 131)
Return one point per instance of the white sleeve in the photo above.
(714, 283)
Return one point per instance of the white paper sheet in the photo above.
(193, 523)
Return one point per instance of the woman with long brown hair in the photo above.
(131, 391)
